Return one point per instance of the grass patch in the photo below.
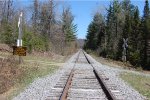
(108, 62)
(35, 70)
(20, 76)
(29, 72)
(118, 64)
(139, 82)
(37, 58)
(54, 58)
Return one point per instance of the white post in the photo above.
(19, 40)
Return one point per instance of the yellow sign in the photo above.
(21, 51)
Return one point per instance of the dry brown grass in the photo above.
(5, 48)
(15, 77)
(9, 71)
(118, 64)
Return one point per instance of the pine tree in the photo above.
(94, 33)
(114, 28)
(98, 25)
(145, 34)
(134, 39)
(127, 26)
(122, 21)
(69, 28)
(109, 21)
(90, 38)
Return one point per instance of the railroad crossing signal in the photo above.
(19, 49)
(125, 46)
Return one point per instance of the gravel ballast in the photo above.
(40, 88)
(113, 74)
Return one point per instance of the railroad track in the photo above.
(84, 82)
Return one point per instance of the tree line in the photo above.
(44, 28)
(106, 33)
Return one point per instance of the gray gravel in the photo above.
(113, 74)
(84, 85)
(40, 88)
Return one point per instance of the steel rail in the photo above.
(68, 83)
(107, 91)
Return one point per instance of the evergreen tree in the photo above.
(127, 25)
(134, 39)
(109, 21)
(114, 29)
(122, 21)
(90, 38)
(69, 28)
(145, 24)
(98, 26)
(94, 32)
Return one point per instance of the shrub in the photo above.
(88, 51)
(134, 58)
(103, 53)
(35, 42)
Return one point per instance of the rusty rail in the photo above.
(68, 83)
(67, 86)
(108, 93)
